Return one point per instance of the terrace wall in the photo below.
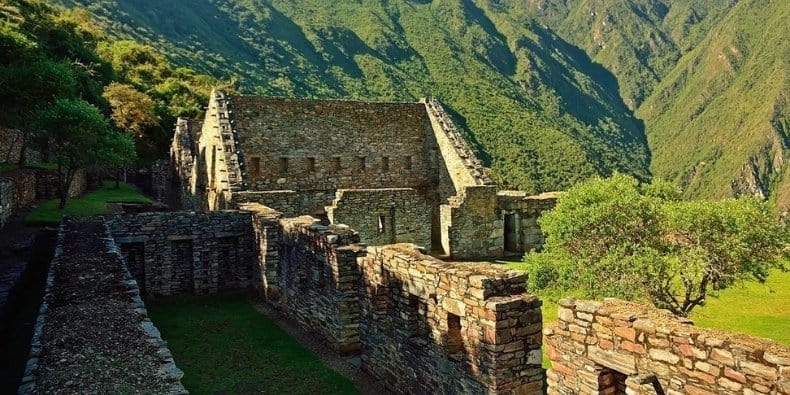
(91, 317)
(189, 253)
(612, 346)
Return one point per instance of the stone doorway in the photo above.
(511, 233)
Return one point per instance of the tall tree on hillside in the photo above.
(132, 111)
(79, 136)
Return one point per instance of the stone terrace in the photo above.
(92, 333)
(614, 346)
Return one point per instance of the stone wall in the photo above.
(303, 144)
(521, 213)
(383, 216)
(287, 202)
(607, 347)
(318, 278)
(11, 147)
(433, 327)
(185, 193)
(472, 227)
(47, 184)
(17, 191)
(91, 318)
(189, 253)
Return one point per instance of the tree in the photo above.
(617, 237)
(78, 136)
(132, 111)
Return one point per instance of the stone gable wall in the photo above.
(189, 253)
(433, 327)
(302, 144)
(598, 347)
(17, 191)
(384, 216)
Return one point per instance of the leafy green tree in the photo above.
(132, 111)
(617, 237)
(78, 136)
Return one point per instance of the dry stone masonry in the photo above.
(383, 216)
(187, 252)
(431, 327)
(619, 347)
(297, 155)
(93, 317)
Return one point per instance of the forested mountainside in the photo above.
(546, 89)
(540, 113)
(708, 77)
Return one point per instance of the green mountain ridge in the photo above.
(545, 89)
(540, 113)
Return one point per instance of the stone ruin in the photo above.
(617, 347)
(336, 213)
(395, 172)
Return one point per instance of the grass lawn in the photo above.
(756, 309)
(92, 203)
(224, 345)
(6, 167)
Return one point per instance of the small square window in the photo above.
(361, 163)
(283, 164)
(310, 164)
(385, 164)
(408, 163)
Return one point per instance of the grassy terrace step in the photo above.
(224, 345)
(92, 203)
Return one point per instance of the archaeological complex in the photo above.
(367, 224)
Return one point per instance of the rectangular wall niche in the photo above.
(227, 262)
(181, 266)
(134, 254)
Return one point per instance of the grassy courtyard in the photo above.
(225, 346)
(92, 203)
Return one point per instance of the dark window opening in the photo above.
(454, 342)
(612, 382)
(361, 163)
(385, 164)
(310, 164)
(255, 166)
(408, 163)
(283, 165)
(336, 163)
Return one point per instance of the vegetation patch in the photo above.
(224, 345)
(93, 203)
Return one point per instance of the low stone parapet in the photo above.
(605, 347)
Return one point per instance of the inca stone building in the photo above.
(395, 172)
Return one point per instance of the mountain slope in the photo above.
(542, 115)
(718, 122)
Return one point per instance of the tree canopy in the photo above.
(617, 237)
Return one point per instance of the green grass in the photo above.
(6, 167)
(92, 203)
(756, 309)
(224, 345)
(42, 166)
